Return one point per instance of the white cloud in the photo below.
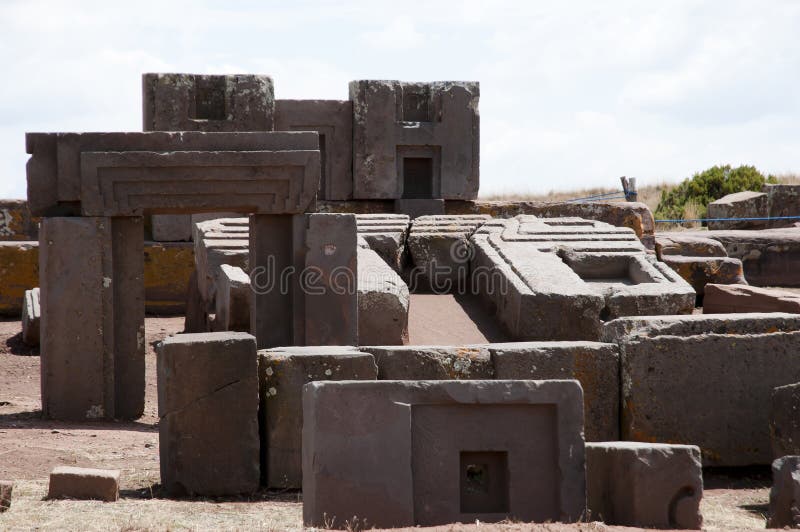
(399, 34)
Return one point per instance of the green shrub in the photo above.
(704, 187)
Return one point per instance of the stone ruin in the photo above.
(364, 204)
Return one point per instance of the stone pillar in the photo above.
(92, 325)
(303, 271)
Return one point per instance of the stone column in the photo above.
(92, 325)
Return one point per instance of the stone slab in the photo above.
(386, 234)
(395, 454)
(700, 271)
(282, 374)
(746, 204)
(414, 208)
(667, 394)
(383, 302)
(784, 497)
(233, 300)
(193, 102)
(84, 483)
(31, 316)
(594, 365)
(419, 362)
(784, 421)
(333, 120)
(648, 485)
(208, 414)
(734, 298)
(692, 246)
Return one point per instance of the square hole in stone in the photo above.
(417, 177)
(608, 269)
(416, 105)
(209, 98)
(483, 482)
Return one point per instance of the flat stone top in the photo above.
(519, 346)
(699, 324)
(639, 446)
(211, 337)
(737, 196)
(86, 472)
(313, 350)
(759, 236)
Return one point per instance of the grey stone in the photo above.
(192, 102)
(16, 222)
(6, 490)
(171, 227)
(784, 422)
(208, 414)
(233, 300)
(92, 324)
(733, 298)
(383, 301)
(701, 271)
(31, 316)
(84, 483)
(667, 394)
(419, 362)
(746, 204)
(649, 485)
(282, 374)
(482, 450)
(415, 208)
(386, 234)
(217, 242)
(594, 365)
(784, 497)
(333, 120)
(692, 246)
(415, 140)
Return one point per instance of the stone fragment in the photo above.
(31, 315)
(693, 246)
(784, 497)
(233, 300)
(192, 102)
(700, 271)
(208, 414)
(386, 234)
(734, 298)
(478, 450)
(648, 485)
(746, 204)
(383, 301)
(333, 120)
(16, 222)
(415, 140)
(282, 374)
(418, 362)
(84, 483)
(667, 394)
(594, 365)
(6, 490)
(784, 422)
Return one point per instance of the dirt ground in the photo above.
(30, 447)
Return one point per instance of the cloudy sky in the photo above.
(573, 94)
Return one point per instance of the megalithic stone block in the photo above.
(233, 300)
(784, 497)
(31, 317)
(208, 411)
(92, 325)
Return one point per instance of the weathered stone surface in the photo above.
(168, 267)
(419, 362)
(733, 298)
(386, 234)
(649, 485)
(784, 497)
(594, 365)
(217, 242)
(700, 271)
(171, 227)
(92, 325)
(530, 270)
(16, 222)
(192, 102)
(84, 483)
(125, 174)
(440, 251)
(233, 300)
(668, 244)
(6, 491)
(415, 140)
(414, 208)
(515, 446)
(31, 315)
(667, 394)
(208, 414)
(282, 374)
(784, 421)
(747, 204)
(19, 271)
(333, 120)
(383, 301)
(783, 201)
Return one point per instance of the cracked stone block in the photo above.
(383, 301)
(432, 362)
(6, 490)
(649, 485)
(784, 424)
(84, 483)
(386, 234)
(282, 374)
(233, 300)
(208, 414)
(784, 497)
(668, 396)
(736, 298)
(31, 316)
(407, 453)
